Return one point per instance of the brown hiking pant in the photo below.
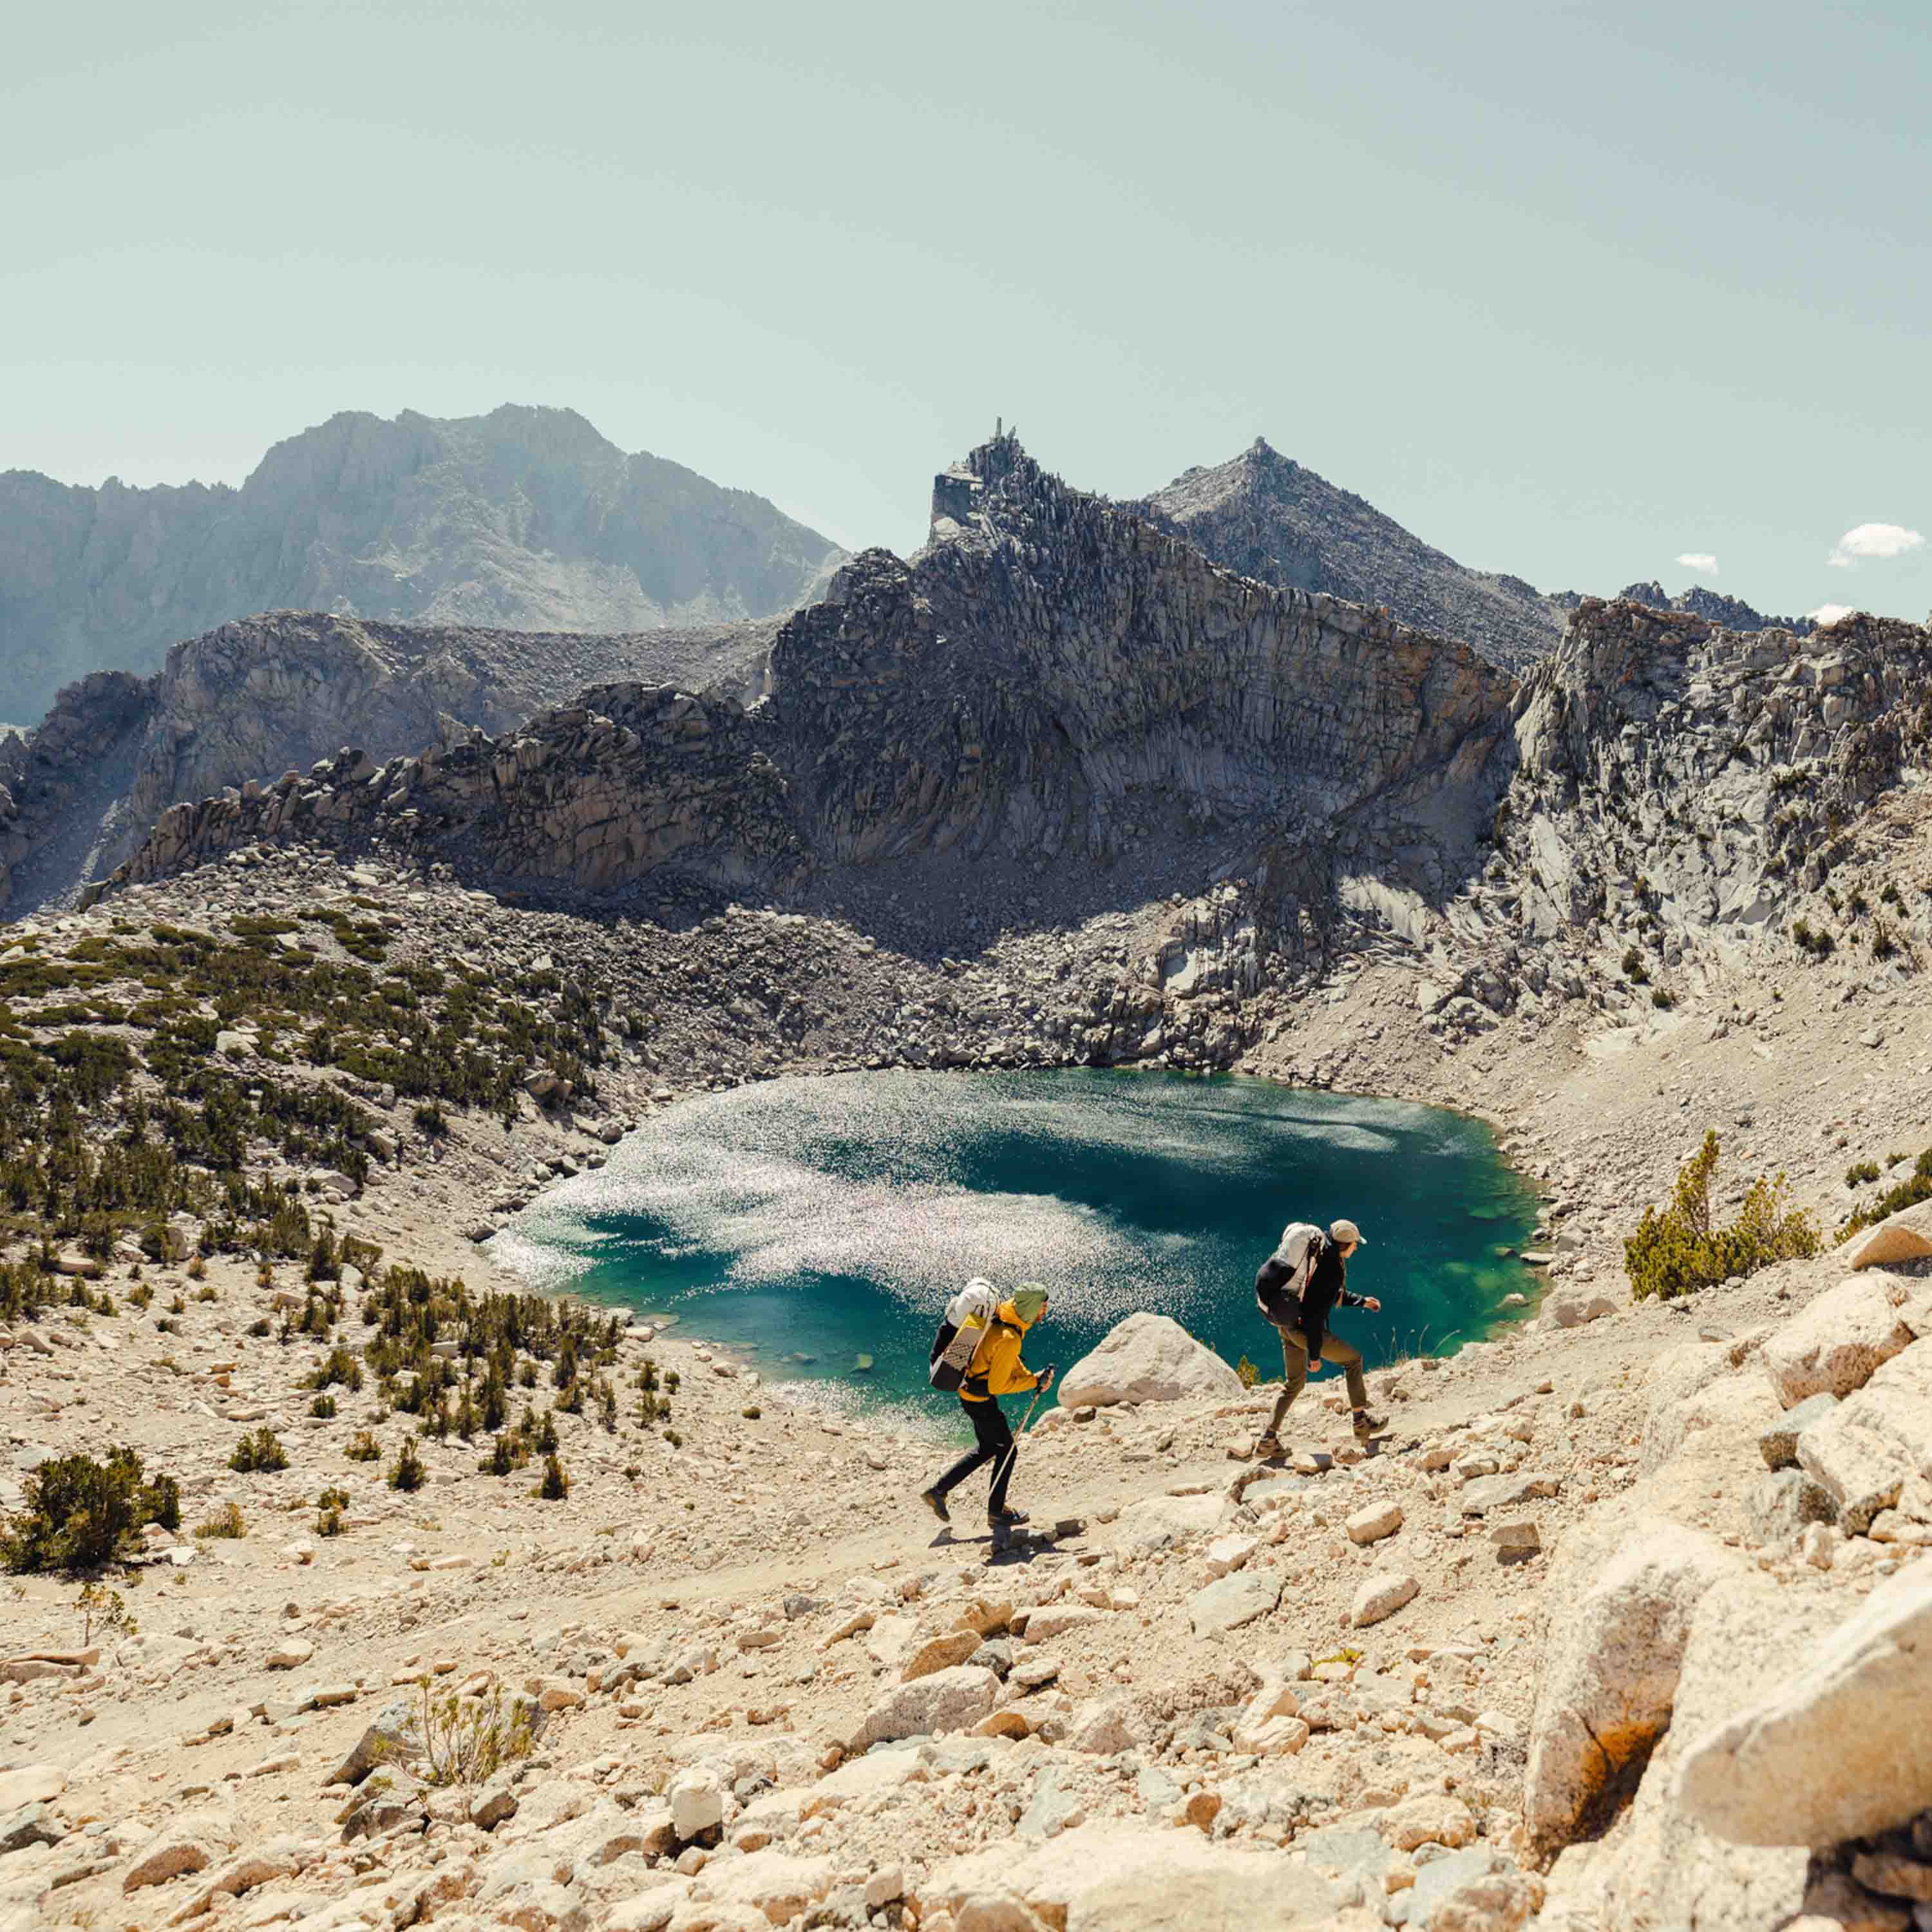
(1295, 1372)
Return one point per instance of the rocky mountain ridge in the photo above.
(1051, 682)
(79, 794)
(1733, 613)
(524, 519)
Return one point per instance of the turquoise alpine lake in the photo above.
(816, 1227)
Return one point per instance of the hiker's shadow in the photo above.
(1001, 1552)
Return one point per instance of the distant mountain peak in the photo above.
(1272, 518)
(523, 518)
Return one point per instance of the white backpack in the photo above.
(1299, 1249)
(967, 1316)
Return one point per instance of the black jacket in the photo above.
(1327, 1286)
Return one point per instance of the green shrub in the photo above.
(340, 1366)
(261, 1451)
(1907, 1193)
(225, 1522)
(1681, 1249)
(80, 1514)
(467, 1740)
(408, 1475)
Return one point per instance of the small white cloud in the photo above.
(1873, 540)
(1700, 560)
(1826, 615)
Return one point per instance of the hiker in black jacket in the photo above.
(1304, 1326)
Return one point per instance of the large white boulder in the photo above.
(1609, 1674)
(1117, 1875)
(1148, 1358)
(1834, 1346)
(1843, 1749)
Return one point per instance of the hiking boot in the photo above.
(1005, 1518)
(1366, 1424)
(935, 1502)
(1267, 1448)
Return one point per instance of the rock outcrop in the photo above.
(1733, 613)
(251, 699)
(524, 519)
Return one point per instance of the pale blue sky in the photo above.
(1570, 289)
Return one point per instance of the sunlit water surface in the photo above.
(809, 1223)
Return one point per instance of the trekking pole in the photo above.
(1013, 1454)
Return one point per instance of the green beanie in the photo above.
(1029, 1299)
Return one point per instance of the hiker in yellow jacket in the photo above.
(996, 1370)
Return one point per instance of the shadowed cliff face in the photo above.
(1049, 660)
(1047, 671)
(524, 519)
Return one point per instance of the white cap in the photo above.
(1345, 1233)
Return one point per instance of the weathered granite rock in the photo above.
(1778, 1444)
(1608, 1676)
(1115, 1875)
(1508, 1491)
(1834, 1345)
(948, 1700)
(1235, 1600)
(1906, 1236)
(1784, 1503)
(1844, 1748)
(1869, 1446)
(1656, 1868)
(1382, 1593)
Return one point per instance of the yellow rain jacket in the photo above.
(997, 1368)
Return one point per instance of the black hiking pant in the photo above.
(1295, 1372)
(993, 1439)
